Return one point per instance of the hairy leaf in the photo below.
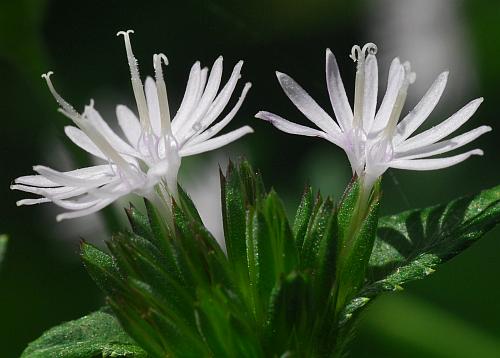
(95, 335)
(410, 245)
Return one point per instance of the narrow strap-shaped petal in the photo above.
(336, 91)
(432, 164)
(444, 146)
(78, 137)
(307, 105)
(86, 203)
(153, 105)
(206, 99)
(91, 210)
(42, 191)
(129, 124)
(222, 99)
(202, 85)
(370, 91)
(422, 110)
(99, 177)
(32, 201)
(36, 180)
(289, 127)
(216, 142)
(210, 132)
(103, 128)
(81, 173)
(394, 83)
(442, 129)
(188, 101)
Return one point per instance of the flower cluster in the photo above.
(147, 163)
(375, 140)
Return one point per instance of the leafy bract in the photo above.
(95, 335)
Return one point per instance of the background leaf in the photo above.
(3, 246)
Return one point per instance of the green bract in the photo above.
(281, 289)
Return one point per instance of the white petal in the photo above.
(216, 142)
(204, 103)
(153, 105)
(188, 101)
(432, 164)
(443, 129)
(32, 201)
(308, 106)
(370, 91)
(99, 176)
(79, 213)
(202, 85)
(129, 124)
(394, 83)
(82, 173)
(223, 97)
(422, 110)
(336, 91)
(78, 137)
(87, 202)
(444, 146)
(35, 180)
(41, 191)
(210, 132)
(289, 127)
(103, 128)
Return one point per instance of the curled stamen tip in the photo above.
(355, 51)
(358, 53)
(370, 48)
(47, 75)
(124, 33)
(162, 57)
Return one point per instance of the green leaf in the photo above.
(188, 206)
(97, 334)
(302, 217)
(234, 217)
(289, 312)
(271, 248)
(102, 268)
(139, 223)
(240, 188)
(409, 246)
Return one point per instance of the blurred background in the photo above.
(454, 313)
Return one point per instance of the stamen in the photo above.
(358, 55)
(400, 101)
(61, 101)
(139, 95)
(162, 94)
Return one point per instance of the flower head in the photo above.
(375, 140)
(147, 163)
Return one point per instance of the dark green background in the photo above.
(454, 313)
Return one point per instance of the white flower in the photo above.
(376, 140)
(147, 163)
